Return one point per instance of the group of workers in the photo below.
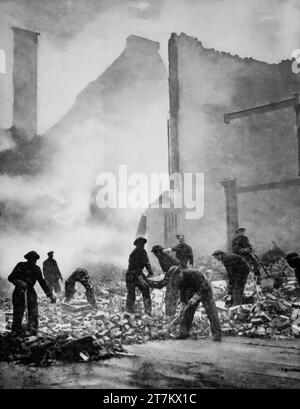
(181, 279)
(25, 275)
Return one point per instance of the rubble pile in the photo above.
(76, 331)
(275, 314)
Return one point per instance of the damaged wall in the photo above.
(257, 149)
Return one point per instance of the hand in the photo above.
(168, 250)
(245, 250)
(21, 285)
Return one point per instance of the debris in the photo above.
(76, 332)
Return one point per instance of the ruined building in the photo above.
(257, 155)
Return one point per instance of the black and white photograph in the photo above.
(149, 197)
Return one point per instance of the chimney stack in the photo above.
(25, 83)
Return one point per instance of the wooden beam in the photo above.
(268, 186)
(297, 112)
(230, 191)
(263, 108)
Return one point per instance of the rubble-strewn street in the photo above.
(77, 332)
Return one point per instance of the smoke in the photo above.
(52, 211)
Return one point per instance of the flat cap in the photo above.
(138, 239)
(240, 229)
(291, 256)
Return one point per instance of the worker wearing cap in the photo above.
(138, 260)
(193, 289)
(24, 277)
(237, 270)
(166, 261)
(183, 252)
(241, 246)
(293, 261)
(52, 273)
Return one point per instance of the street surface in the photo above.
(234, 363)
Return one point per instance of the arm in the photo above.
(159, 284)
(247, 243)
(14, 277)
(58, 271)
(148, 265)
(191, 256)
(235, 247)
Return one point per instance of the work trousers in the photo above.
(238, 291)
(54, 285)
(212, 314)
(18, 299)
(255, 267)
(133, 283)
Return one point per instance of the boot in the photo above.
(183, 335)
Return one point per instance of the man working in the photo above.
(241, 246)
(183, 252)
(237, 270)
(166, 261)
(80, 275)
(138, 260)
(193, 289)
(52, 273)
(24, 277)
(293, 261)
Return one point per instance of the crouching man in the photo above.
(193, 289)
(23, 277)
(80, 275)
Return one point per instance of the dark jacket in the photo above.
(239, 243)
(295, 264)
(165, 260)
(187, 281)
(184, 253)
(30, 274)
(138, 260)
(51, 271)
(237, 269)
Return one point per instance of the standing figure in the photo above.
(183, 252)
(241, 246)
(138, 260)
(52, 273)
(293, 261)
(237, 270)
(80, 275)
(24, 277)
(166, 261)
(193, 289)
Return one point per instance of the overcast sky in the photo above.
(80, 38)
